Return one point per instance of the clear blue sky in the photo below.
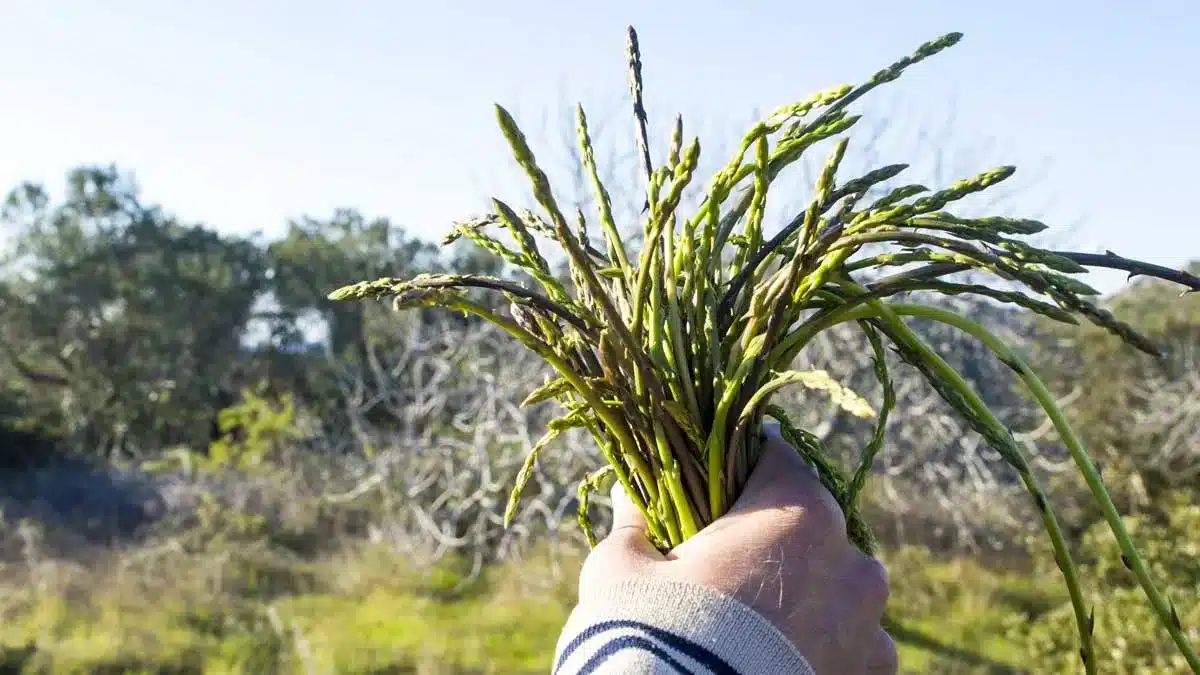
(245, 114)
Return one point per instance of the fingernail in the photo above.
(616, 491)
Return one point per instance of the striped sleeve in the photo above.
(651, 626)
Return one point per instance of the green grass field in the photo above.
(367, 612)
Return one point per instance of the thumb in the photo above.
(624, 553)
(629, 538)
(625, 513)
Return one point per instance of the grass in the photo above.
(949, 616)
(376, 616)
(247, 606)
(194, 613)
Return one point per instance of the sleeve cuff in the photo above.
(693, 628)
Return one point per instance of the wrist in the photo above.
(688, 623)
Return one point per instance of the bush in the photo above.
(1129, 638)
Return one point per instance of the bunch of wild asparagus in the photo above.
(669, 355)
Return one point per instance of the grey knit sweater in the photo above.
(668, 627)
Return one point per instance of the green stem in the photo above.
(611, 234)
(675, 324)
(787, 349)
(624, 440)
(889, 401)
(997, 430)
(673, 484)
(668, 512)
(1075, 445)
(717, 441)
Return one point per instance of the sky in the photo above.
(243, 115)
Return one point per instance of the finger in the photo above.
(773, 434)
(870, 586)
(785, 486)
(781, 476)
(883, 658)
(625, 513)
(625, 552)
(630, 533)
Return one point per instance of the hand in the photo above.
(782, 549)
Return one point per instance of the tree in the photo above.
(315, 257)
(118, 318)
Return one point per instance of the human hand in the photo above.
(782, 550)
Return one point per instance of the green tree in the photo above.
(118, 320)
(316, 256)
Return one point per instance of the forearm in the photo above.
(647, 626)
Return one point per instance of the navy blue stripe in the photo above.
(624, 642)
(714, 663)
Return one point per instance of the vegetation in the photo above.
(670, 358)
(367, 610)
(207, 465)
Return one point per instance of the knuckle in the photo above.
(597, 561)
(608, 554)
(814, 521)
(871, 582)
(885, 658)
(804, 507)
(619, 545)
(788, 518)
(608, 563)
(825, 517)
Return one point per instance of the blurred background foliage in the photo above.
(206, 466)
